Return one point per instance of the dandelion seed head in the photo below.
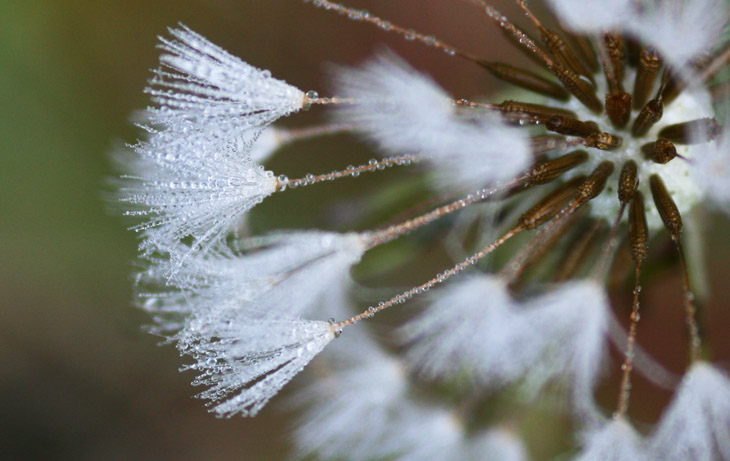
(533, 320)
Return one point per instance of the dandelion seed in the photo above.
(592, 15)
(198, 192)
(426, 432)
(475, 327)
(214, 94)
(244, 363)
(680, 30)
(452, 335)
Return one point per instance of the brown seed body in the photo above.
(604, 141)
(617, 56)
(526, 79)
(539, 112)
(581, 89)
(594, 184)
(665, 205)
(649, 64)
(577, 254)
(549, 170)
(550, 205)
(649, 115)
(585, 49)
(564, 54)
(638, 229)
(571, 127)
(660, 151)
(618, 108)
(627, 182)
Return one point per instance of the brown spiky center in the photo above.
(676, 171)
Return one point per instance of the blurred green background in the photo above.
(78, 377)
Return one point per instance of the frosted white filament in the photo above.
(244, 363)
(214, 93)
(278, 274)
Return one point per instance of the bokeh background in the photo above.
(79, 379)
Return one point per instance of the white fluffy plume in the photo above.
(680, 29)
(592, 15)
(696, 425)
(711, 168)
(358, 386)
(244, 362)
(405, 111)
(476, 327)
(614, 441)
(200, 88)
(192, 191)
(448, 337)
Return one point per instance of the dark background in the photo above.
(78, 377)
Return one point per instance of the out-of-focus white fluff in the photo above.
(497, 445)
(244, 361)
(426, 432)
(448, 338)
(405, 111)
(711, 168)
(696, 425)
(567, 328)
(351, 404)
(475, 327)
(680, 29)
(614, 441)
(592, 15)
(212, 94)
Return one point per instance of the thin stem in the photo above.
(577, 254)
(609, 248)
(327, 101)
(389, 233)
(470, 261)
(408, 34)
(373, 165)
(628, 365)
(531, 15)
(689, 307)
(515, 266)
(505, 24)
(285, 135)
